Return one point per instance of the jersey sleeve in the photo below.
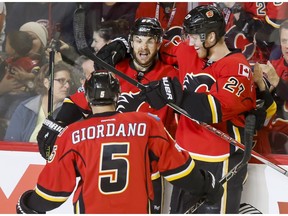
(168, 52)
(56, 181)
(227, 91)
(74, 108)
(236, 94)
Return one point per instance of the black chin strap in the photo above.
(208, 48)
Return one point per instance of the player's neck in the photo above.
(219, 51)
(102, 109)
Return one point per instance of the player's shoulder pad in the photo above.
(154, 116)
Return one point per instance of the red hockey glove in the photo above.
(166, 90)
(47, 136)
(21, 206)
(213, 190)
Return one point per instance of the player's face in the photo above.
(284, 43)
(194, 40)
(98, 42)
(62, 84)
(145, 49)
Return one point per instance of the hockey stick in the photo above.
(51, 88)
(248, 140)
(78, 25)
(51, 77)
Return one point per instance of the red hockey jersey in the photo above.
(131, 99)
(229, 90)
(111, 153)
(272, 12)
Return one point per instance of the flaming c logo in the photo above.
(209, 14)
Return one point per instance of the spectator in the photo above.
(19, 65)
(3, 13)
(30, 114)
(262, 143)
(169, 14)
(98, 12)
(255, 29)
(55, 16)
(74, 155)
(82, 69)
(107, 31)
(16, 74)
(276, 75)
(40, 39)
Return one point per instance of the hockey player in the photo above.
(111, 153)
(219, 94)
(144, 66)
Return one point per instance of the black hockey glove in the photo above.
(114, 52)
(21, 206)
(260, 114)
(159, 93)
(47, 136)
(213, 190)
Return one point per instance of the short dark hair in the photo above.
(21, 42)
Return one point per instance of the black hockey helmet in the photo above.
(102, 88)
(204, 19)
(147, 26)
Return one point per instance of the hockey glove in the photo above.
(21, 206)
(114, 52)
(213, 190)
(260, 114)
(159, 93)
(47, 136)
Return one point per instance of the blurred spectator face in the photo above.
(62, 84)
(284, 43)
(8, 49)
(145, 49)
(98, 42)
(37, 44)
(88, 68)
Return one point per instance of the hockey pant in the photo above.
(181, 200)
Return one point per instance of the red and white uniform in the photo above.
(228, 91)
(111, 153)
(131, 99)
(176, 53)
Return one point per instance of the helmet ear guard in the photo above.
(102, 88)
(205, 19)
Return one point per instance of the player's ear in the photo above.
(211, 37)
(159, 45)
